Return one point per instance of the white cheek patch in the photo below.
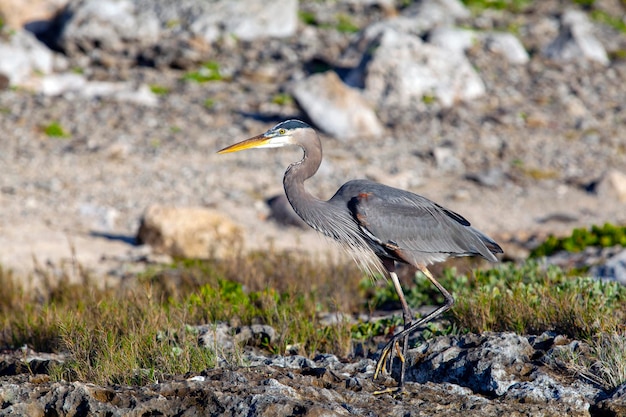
(277, 142)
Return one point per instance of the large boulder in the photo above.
(337, 109)
(399, 69)
(189, 232)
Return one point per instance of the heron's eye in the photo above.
(282, 131)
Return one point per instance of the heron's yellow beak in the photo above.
(254, 142)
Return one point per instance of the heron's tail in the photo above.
(490, 244)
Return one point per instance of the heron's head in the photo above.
(283, 134)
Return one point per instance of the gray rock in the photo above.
(507, 45)
(247, 20)
(111, 30)
(576, 40)
(224, 339)
(614, 269)
(453, 39)
(110, 25)
(612, 185)
(420, 18)
(401, 70)
(334, 107)
(282, 213)
(446, 160)
(437, 12)
(487, 364)
(543, 389)
(495, 364)
(615, 405)
(21, 54)
(493, 177)
(77, 85)
(460, 40)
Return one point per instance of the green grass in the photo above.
(282, 99)
(514, 6)
(341, 22)
(526, 299)
(531, 299)
(600, 361)
(146, 331)
(159, 90)
(616, 22)
(55, 130)
(344, 24)
(209, 71)
(308, 18)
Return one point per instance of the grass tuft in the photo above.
(601, 361)
(55, 130)
(209, 71)
(531, 299)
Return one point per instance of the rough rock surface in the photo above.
(478, 375)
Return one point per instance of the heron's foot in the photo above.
(386, 355)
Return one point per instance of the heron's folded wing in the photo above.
(416, 225)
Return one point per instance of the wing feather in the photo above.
(410, 224)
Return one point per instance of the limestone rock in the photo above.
(400, 70)
(336, 108)
(496, 376)
(78, 85)
(112, 30)
(21, 54)
(507, 45)
(453, 39)
(111, 25)
(222, 337)
(189, 232)
(614, 269)
(576, 40)
(613, 185)
(485, 364)
(247, 20)
(615, 405)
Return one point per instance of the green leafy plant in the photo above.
(308, 18)
(159, 90)
(531, 299)
(282, 99)
(608, 19)
(510, 5)
(345, 24)
(605, 236)
(55, 130)
(209, 71)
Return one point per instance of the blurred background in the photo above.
(511, 113)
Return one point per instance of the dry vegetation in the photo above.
(146, 330)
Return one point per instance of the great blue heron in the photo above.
(381, 225)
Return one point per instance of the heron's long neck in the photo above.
(308, 207)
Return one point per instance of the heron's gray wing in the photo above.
(411, 225)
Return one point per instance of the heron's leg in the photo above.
(407, 317)
(449, 300)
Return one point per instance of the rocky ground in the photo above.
(524, 140)
(479, 375)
